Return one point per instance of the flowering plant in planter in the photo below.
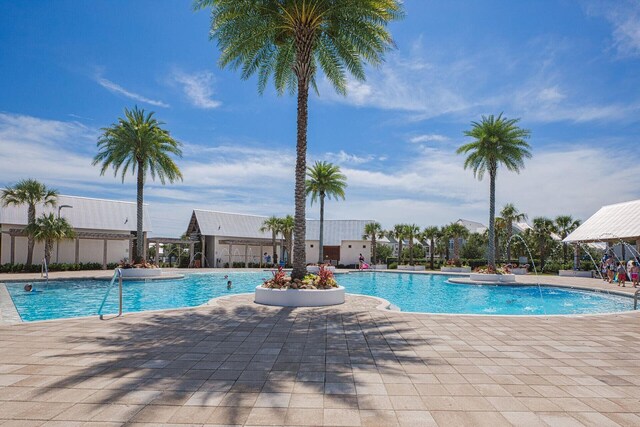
(126, 264)
(487, 269)
(323, 280)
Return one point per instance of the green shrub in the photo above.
(393, 266)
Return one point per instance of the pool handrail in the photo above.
(44, 269)
(635, 299)
(117, 274)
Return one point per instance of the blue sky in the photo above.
(568, 69)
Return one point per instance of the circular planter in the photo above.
(299, 297)
(493, 278)
(316, 269)
(141, 272)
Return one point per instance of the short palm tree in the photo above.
(510, 214)
(286, 228)
(431, 234)
(497, 141)
(274, 225)
(399, 233)
(324, 181)
(292, 40)
(374, 231)
(139, 144)
(31, 193)
(564, 225)
(541, 230)
(457, 232)
(50, 229)
(412, 231)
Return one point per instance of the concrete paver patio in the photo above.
(238, 363)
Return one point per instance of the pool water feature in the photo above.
(427, 293)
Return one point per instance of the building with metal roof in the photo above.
(105, 230)
(228, 238)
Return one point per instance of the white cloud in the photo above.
(116, 88)
(343, 157)
(197, 87)
(431, 137)
(624, 16)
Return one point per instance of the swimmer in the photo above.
(226, 276)
(28, 287)
(228, 284)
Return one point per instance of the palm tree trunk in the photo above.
(140, 219)
(492, 217)
(410, 250)
(48, 246)
(303, 72)
(431, 248)
(373, 249)
(399, 251)
(509, 235)
(321, 248)
(564, 252)
(31, 219)
(497, 246)
(456, 248)
(273, 245)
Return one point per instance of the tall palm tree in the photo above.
(541, 230)
(500, 232)
(431, 234)
(324, 181)
(292, 40)
(457, 232)
(274, 225)
(286, 228)
(399, 232)
(374, 231)
(497, 141)
(31, 193)
(564, 225)
(510, 214)
(412, 231)
(138, 143)
(50, 229)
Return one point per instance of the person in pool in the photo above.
(29, 288)
(229, 284)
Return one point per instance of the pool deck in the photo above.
(239, 363)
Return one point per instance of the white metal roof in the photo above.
(336, 230)
(472, 226)
(87, 213)
(612, 222)
(226, 224)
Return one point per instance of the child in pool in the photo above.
(229, 284)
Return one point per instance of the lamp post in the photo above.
(58, 241)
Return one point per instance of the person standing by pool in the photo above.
(622, 274)
(611, 270)
(360, 262)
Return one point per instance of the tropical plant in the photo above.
(31, 193)
(138, 143)
(272, 224)
(286, 228)
(412, 231)
(564, 225)
(475, 246)
(374, 231)
(399, 233)
(431, 234)
(457, 232)
(383, 252)
(500, 232)
(50, 229)
(292, 40)
(497, 141)
(510, 214)
(324, 181)
(443, 242)
(541, 232)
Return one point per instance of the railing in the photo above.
(117, 274)
(44, 269)
(635, 299)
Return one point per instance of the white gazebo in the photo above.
(612, 225)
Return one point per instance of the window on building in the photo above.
(349, 246)
(311, 245)
(364, 246)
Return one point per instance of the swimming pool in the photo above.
(428, 293)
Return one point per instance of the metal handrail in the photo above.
(117, 274)
(635, 299)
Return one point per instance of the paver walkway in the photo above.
(239, 363)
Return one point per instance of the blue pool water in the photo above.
(409, 292)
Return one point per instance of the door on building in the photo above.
(331, 254)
